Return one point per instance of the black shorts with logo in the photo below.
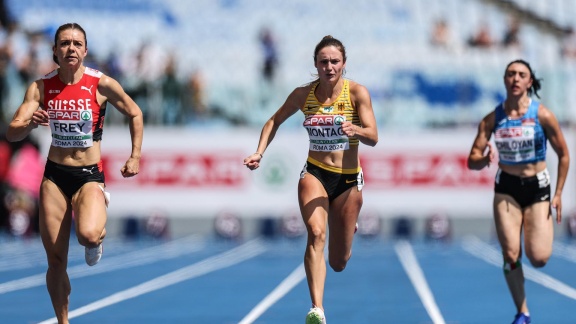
(71, 178)
(525, 190)
(334, 183)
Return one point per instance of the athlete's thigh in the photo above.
(344, 211)
(55, 218)
(89, 207)
(538, 230)
(508, 221)
(313, 201)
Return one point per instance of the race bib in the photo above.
(325, 133)
(515, 144)
(71, 128)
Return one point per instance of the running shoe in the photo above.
(315, 316)
(521, 318)
(93, 255)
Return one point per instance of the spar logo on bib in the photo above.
(324, 120)
(86, 115)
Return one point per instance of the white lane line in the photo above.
(490, 254)
(566, 252)
(282, 289)
(150, 255)
(410, 263)
(223, 260)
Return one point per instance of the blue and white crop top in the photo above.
(521, 140)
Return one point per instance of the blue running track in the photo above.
(202, 280)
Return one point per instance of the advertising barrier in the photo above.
(193, 173)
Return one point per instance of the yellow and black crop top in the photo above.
(324, 122)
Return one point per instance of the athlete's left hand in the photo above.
(490, 154)
(349, 129)
(557, 204)
(131, 168)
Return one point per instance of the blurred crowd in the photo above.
(153, 79)
(150, 76)
(484, 37)
(443, 36)
(510, 39)
(22, 60)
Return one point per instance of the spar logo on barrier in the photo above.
(169, 169)
(275, 170)
(404, 170)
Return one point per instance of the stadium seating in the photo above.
(388, 44)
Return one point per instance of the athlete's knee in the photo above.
(316, 234)
(538, 262)
(338, 261)
(338, 264)
(511, 255)
(90, 237)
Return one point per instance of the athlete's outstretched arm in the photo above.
(292, 104)
(27, 116)
(115, 94)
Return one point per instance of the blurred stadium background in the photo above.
(208, 74)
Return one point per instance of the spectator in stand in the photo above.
(141, 74)
(196, 107)
(442, 36)
(270, 53)
(511, 39)
(36, 62)
(171, 95)
(569, 44)
(482, 38)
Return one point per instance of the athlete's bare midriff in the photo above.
(347, 159)
(75, 156)
(523, 170)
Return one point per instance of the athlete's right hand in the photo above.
(253, 161)
(40, 117)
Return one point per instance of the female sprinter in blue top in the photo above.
(522, 195)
